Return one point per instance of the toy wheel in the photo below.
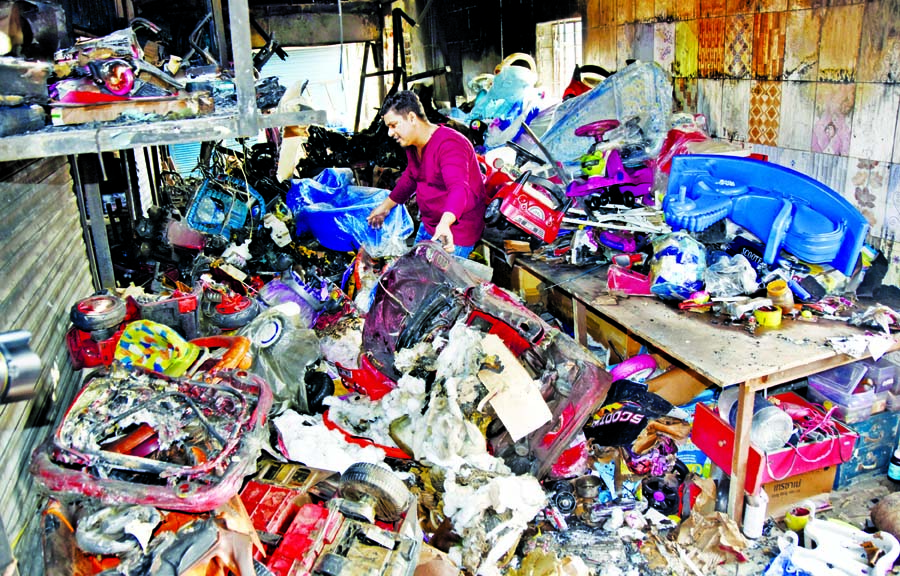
(229, 319)
(637, 368)
(492, 212)
(660, 495)
(628, 199)
(99, 312)
(364, 480)
(603, 200)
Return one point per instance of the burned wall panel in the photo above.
(45, 269)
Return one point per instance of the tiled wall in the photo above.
(815, 84)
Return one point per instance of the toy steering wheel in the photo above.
(597, 129)
(522, 151)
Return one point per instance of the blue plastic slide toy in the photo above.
(782, 207)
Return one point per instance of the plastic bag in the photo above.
(782, 565)
(677, 266)
(511, 100)
(732, 276)
(323, 188)
(283, 348)
(641, 89)
(389, 240)
(335, 211)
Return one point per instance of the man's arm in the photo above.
(401, 193)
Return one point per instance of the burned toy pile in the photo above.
(411, 411)
(143, 438)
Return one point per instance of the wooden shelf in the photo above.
(241, 120)
(83, 140)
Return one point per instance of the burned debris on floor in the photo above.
(282, 389)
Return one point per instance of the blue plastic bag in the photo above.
(335, 211)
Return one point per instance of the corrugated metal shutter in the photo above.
(45, 269)
(333, 84)
(185, 155)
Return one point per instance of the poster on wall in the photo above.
(834, 108)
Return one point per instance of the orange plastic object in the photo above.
(127, 444)
(237, 355)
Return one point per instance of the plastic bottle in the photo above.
(894, 466)
(781, 295)
(755, 514)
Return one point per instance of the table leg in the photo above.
(579, 321)
(741, 449)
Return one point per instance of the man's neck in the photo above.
(428, 130)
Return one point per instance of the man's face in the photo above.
(400, 127)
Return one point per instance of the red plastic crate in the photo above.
(271, 507)
(715, 438)
(303, 542)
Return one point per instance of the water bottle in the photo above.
(894, 466)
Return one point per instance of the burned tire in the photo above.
(318, 387)
(99, 312)
(492, 214)
(363, 480)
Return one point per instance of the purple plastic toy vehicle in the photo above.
(614, 170)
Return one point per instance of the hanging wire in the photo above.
(341, 26)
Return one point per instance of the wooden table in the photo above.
(723, 356)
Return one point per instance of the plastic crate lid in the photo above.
(843, 379)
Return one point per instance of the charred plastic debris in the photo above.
(282, 389)
(163, 64)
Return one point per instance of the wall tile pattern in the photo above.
(814, 84)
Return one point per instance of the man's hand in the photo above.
(379, 213)
(443, 234)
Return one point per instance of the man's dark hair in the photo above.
(402, 102)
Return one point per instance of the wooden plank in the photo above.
(65, 115)
(795, 350)
(87, 140)
(741, 450)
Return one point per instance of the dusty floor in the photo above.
(850, 505)
(612, 556)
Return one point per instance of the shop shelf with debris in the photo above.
(84, 127)
(715, 437)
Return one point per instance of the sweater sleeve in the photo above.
(454, 165)
(405, 185)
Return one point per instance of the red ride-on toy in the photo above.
(533, 204)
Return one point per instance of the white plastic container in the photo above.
(755, 507)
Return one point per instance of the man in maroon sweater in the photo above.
(443, 172)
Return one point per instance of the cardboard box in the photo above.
(715, 437)
(787, 493)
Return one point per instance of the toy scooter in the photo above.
(614, 170)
